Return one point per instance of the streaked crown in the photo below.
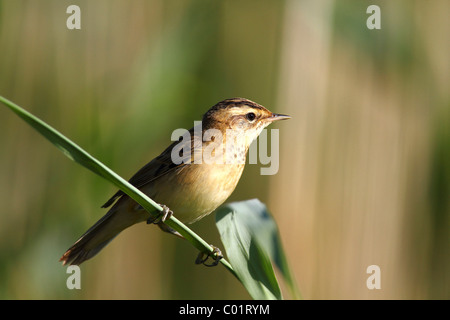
(240, 114)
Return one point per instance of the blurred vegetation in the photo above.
(364, 163)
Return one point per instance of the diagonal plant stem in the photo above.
(79, 155)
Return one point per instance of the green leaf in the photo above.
(251, 239)
(77, 154)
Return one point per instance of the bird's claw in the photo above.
(165, 214)
(216, 254)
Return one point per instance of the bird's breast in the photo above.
(195, 190)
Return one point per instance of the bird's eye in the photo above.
(250, 116)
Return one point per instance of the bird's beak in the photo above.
(277, 116)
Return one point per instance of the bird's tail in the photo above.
(98, 236)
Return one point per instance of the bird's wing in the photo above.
(162, 165)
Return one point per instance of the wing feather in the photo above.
(162, 164)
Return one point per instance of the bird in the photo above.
(190, 179)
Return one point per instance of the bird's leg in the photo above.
(164, 227)
(216, 254)
(166, 213)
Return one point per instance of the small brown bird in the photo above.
(192, 177)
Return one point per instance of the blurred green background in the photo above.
(364, 172)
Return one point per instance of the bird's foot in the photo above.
(165, 214)
(216, 254)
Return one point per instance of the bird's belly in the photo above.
(196, 189)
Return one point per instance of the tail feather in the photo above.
(80, 252)
(100, 234)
